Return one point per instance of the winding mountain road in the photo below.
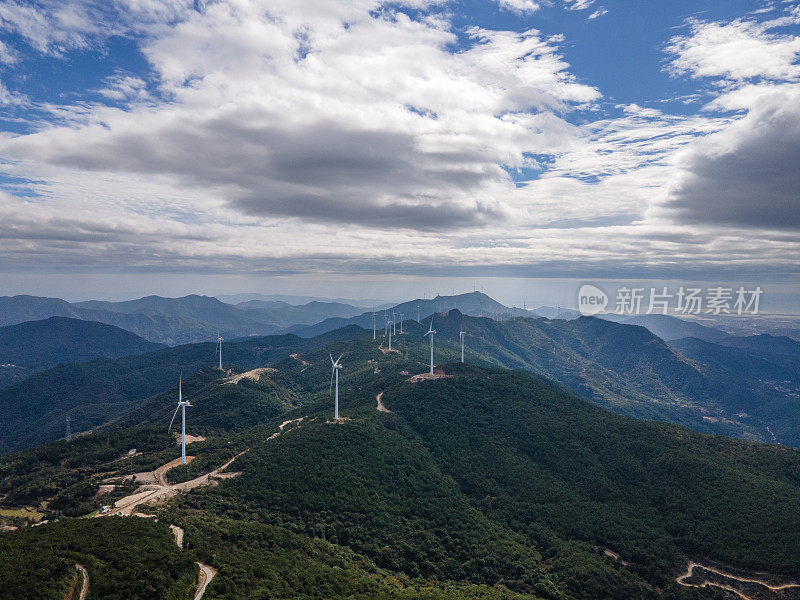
(206, 575)
(85, 583)
(690, 572)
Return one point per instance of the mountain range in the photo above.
(474, 304)
(175, 321)
(481, 483)
(97, 392)
(737, 392)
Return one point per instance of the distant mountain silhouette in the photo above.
(175, 321)
(670, 328)
(472, 303)
(37, 345)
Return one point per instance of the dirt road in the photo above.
(283, 425)
(206, 575)
(163, 491)
(85, 584)
(161, 472)
(178, 533)
(690, 572)
(381, 407)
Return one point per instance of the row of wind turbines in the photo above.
(336, 366)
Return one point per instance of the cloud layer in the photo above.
(363, 136)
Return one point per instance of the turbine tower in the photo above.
(401, 323)
(417, 313)
(390, 336)
(335, 366)
(394, 322)
(462, 334)
(182, 407)
(431, 332)
(219, 349)
(374, 334)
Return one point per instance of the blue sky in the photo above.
(285, 142)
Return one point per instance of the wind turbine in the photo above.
(390, 336)
(431, 331)
(417, 313)
(182, 407)
(401, 323)
(374, 334)
(394, 323)
(462, 334)
(335, 366)
(219, 349)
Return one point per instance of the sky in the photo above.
(379, 149)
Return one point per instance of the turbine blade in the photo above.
(331, 355)
(340, 358)
(173, 417)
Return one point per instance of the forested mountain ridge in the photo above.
(38, 345)
(621, 367)
(481, 484)
(96, 392)
(631, 371)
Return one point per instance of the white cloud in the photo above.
(286, 115)
(737, 50)
(578, 4)
(312, 135)
(519, 6)
(53, 27)
(747, 174)
(8, 55)
(124, 87)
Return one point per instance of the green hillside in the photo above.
(38, 345)
(631, 371)
(483, 484)
(99, 391)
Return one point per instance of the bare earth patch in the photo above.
(381, 407)
(105, 489)
(304, 364)
(283, 425)
(437, 374)
(189, 438)
(161, 491)
(338, 421)
(254, 375)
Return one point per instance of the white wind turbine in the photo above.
(401, 323)
(462, 334)
(219, 349)
(374, 334)
(182, 407)
(335, 366)
(431, 332)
